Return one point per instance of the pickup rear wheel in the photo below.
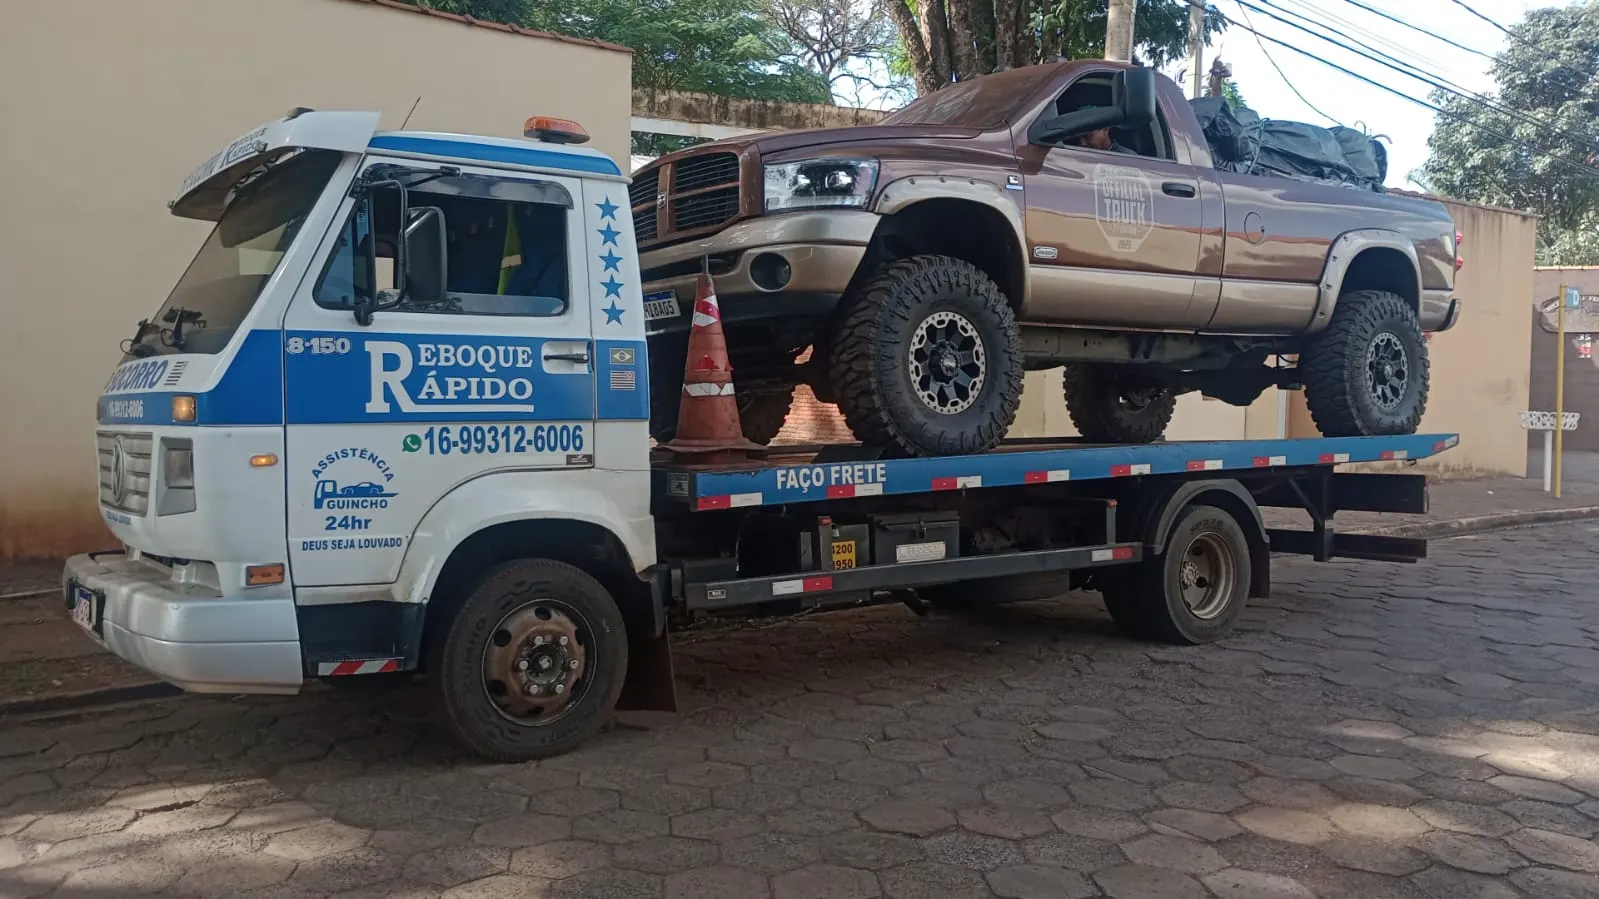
(761, 413)
(1110, 404)
(1192, 592)
(1367, 373)
(927, 360)
(533, 661)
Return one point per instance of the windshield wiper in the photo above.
(178, 317)
(135, 345)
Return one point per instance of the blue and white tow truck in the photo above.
(393, 420)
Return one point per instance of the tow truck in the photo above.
(393, 421)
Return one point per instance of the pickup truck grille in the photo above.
(125, 467)
(690, 195)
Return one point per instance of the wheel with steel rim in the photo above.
(926, 359)
(1194, 591)
(1367, 373)
(533, 661)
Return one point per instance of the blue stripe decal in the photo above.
(528, 156)
(779, 484)
(250, 392)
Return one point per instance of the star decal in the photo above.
(612, 261)
(613, 287)
(607, 209)
(613, 314)
(609, 235)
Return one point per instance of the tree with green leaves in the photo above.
(951, 40)
(1535, 144)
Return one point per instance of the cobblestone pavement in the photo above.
(1372, 731)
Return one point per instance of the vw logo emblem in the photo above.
(118, 485)
(660, 201)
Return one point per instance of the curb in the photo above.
(1460, 527)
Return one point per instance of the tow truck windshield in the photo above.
(223, 282)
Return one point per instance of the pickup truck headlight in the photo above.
(819, 182)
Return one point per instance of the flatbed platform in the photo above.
(810, 474)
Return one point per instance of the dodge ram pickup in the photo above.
(1068, 214)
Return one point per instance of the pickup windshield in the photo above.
(221, 285)
(983, 103)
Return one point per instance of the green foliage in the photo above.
(1548, 75)
(1230, 92)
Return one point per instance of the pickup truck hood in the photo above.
(785, 141)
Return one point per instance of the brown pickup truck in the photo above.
(1067, 214)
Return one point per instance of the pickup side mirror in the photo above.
(427, 270)
(1132, 94)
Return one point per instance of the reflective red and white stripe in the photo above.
(1268, 461)
(1051, 476)
(1123, 471)
(1204, 464)
(797, 586)
(967, 482)
(709, 389)
(729, 501)
(845, 491)
(1113, 554)
(706, 312)
(1390, 455)
(359, 666)
(1333, 458)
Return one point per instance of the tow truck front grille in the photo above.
(685, 197)
(125, 466)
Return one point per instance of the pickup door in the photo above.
(1115, 237)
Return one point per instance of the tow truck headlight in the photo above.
(177, 476)
(814, 183)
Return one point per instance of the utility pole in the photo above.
(1196, 48)
(1119, 30)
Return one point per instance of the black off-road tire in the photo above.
(1108, 405)
(1345, 397)
(1147, 600)
(458, 677)
(869, 360)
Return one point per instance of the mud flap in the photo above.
(651, 685)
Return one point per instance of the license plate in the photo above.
(843, 554)
(83, 607)
(659, 305)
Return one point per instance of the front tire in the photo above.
(1194, 591)
(1367, 373)
(1110, 404)
(533, 661)
(927, 361)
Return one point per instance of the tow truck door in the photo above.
(384, 420)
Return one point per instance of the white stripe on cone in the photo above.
(708, 389)
(701, 320)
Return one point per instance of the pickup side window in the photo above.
(506, 246)
(1093, 90)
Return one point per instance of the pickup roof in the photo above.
(918, 267)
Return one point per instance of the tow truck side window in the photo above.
(506, 246)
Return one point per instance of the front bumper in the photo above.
(188, 634)
(822, 248)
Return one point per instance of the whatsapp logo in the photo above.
(411, 443)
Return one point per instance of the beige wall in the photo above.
(1043, 414)
(1479, 368)
(108, 105)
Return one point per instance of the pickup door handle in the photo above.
(1178, 189)
(579, 358)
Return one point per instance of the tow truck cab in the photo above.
(389, 342)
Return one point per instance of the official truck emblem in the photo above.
(1124, 206)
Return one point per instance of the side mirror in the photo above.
(427, 271)
(1133, 91)
(1132, 104)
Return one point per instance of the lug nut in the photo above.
(521, 665)
(572, 664)
(538, 641)
(560, 688)
(563, 640)
(534, 690)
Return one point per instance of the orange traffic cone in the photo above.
(707, 420)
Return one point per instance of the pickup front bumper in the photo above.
(791, 265)
(187, 634)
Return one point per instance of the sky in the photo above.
(1345, 99)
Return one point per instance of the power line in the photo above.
(1467, 7)
(1280, 72)
(1425, 77)
(1423, 103)
(1414, 27)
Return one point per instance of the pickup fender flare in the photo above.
(1342, 253)
(503, 497)
(900, 195)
